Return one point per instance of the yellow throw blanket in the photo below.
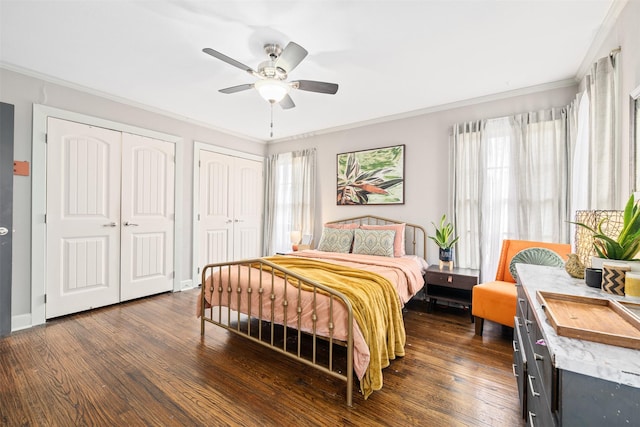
(376, 309)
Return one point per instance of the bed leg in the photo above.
(350, 390)
(202, 302)
(201, 323)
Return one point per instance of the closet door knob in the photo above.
(111, 224)
(130, 224)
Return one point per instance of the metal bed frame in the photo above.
(242, 325)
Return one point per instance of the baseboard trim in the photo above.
(186, 285)
(20, 322)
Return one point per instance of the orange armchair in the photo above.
(496, 301)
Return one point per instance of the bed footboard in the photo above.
(251, 298)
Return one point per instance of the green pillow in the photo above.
(336, 240)
(537, 256)
(374, 242)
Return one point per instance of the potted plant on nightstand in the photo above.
(445, 240)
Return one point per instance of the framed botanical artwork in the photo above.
(371, 177)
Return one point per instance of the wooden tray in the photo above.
(633, 307)
(593, 319)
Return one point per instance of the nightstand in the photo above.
(454, 285)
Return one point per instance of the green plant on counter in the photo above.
(627, 245)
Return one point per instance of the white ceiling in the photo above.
(390, 58)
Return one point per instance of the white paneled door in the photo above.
(230, 211)
(216, 213)
(147, 216)
(109, 217)
(83, 217)
(247, 210)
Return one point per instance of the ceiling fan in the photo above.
(273, 72)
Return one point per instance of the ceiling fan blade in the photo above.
(313, 86)
(234, 89)
(228, 60)
(290, 57)
(287, 103)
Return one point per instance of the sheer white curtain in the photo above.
(289, 198)
(579, 160)
(498, 203)
(466, 147)
(595, 141)
(519, 165)
(600, 147)
(542, 175)
(303, 190)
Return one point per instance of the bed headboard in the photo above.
(415, 235)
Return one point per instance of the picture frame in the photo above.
(371, 177)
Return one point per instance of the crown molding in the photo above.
(60, 82)
(603, 32)
(435, 109)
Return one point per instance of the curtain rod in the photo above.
(616, 50)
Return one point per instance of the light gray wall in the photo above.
(426, 156)
(23, 91)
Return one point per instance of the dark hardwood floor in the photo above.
(144, 363)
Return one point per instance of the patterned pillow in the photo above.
(398, 241)
(374, 242)
(336, 240)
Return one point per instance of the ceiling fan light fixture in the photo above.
(271, 90)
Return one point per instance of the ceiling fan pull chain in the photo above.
(271, 118)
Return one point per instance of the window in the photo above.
(510, 182)
(289, 199)
(283, 221)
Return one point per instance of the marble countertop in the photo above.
(612, 363)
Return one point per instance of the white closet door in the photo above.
(216, 213)
(83, 214)
(248, 195)
(147, 216)
(230, 211)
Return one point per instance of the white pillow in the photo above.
(336, 240)
(374, 242)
